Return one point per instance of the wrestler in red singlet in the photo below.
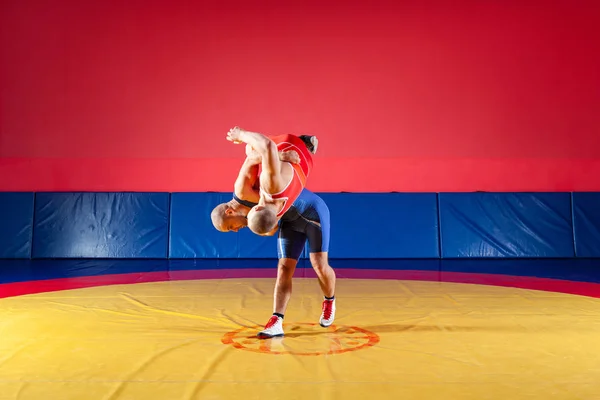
(301, 170)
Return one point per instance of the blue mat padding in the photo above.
(103, 225)
(192, 234)
(490, 225)
(16, 224)
(383, 225)
(363, 226)
(586, 224)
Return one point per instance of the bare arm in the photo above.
(271, 165)
(244, 186)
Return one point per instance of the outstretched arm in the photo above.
(264, 146)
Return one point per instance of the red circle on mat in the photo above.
(339, 339)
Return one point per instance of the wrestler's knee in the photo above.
(286, 267)
(319, 261)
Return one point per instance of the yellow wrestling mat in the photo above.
(392, 340)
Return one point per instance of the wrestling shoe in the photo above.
(274, 328)
(328, 314)
(311, 143)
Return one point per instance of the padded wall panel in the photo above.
(383, 225)
(101, 225)
(192, 234)
(16, 224)
(586, 223)
(506, 225)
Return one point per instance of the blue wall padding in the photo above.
(16, 224)
(506, 225)
(586, 223)
(363, 226)
(383, 225)
(192, 234)
(103, 225)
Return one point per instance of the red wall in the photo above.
(405, 96)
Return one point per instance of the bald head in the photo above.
(218, 216)
(226, 219)
(262, 220)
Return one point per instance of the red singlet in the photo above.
(301, 170)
